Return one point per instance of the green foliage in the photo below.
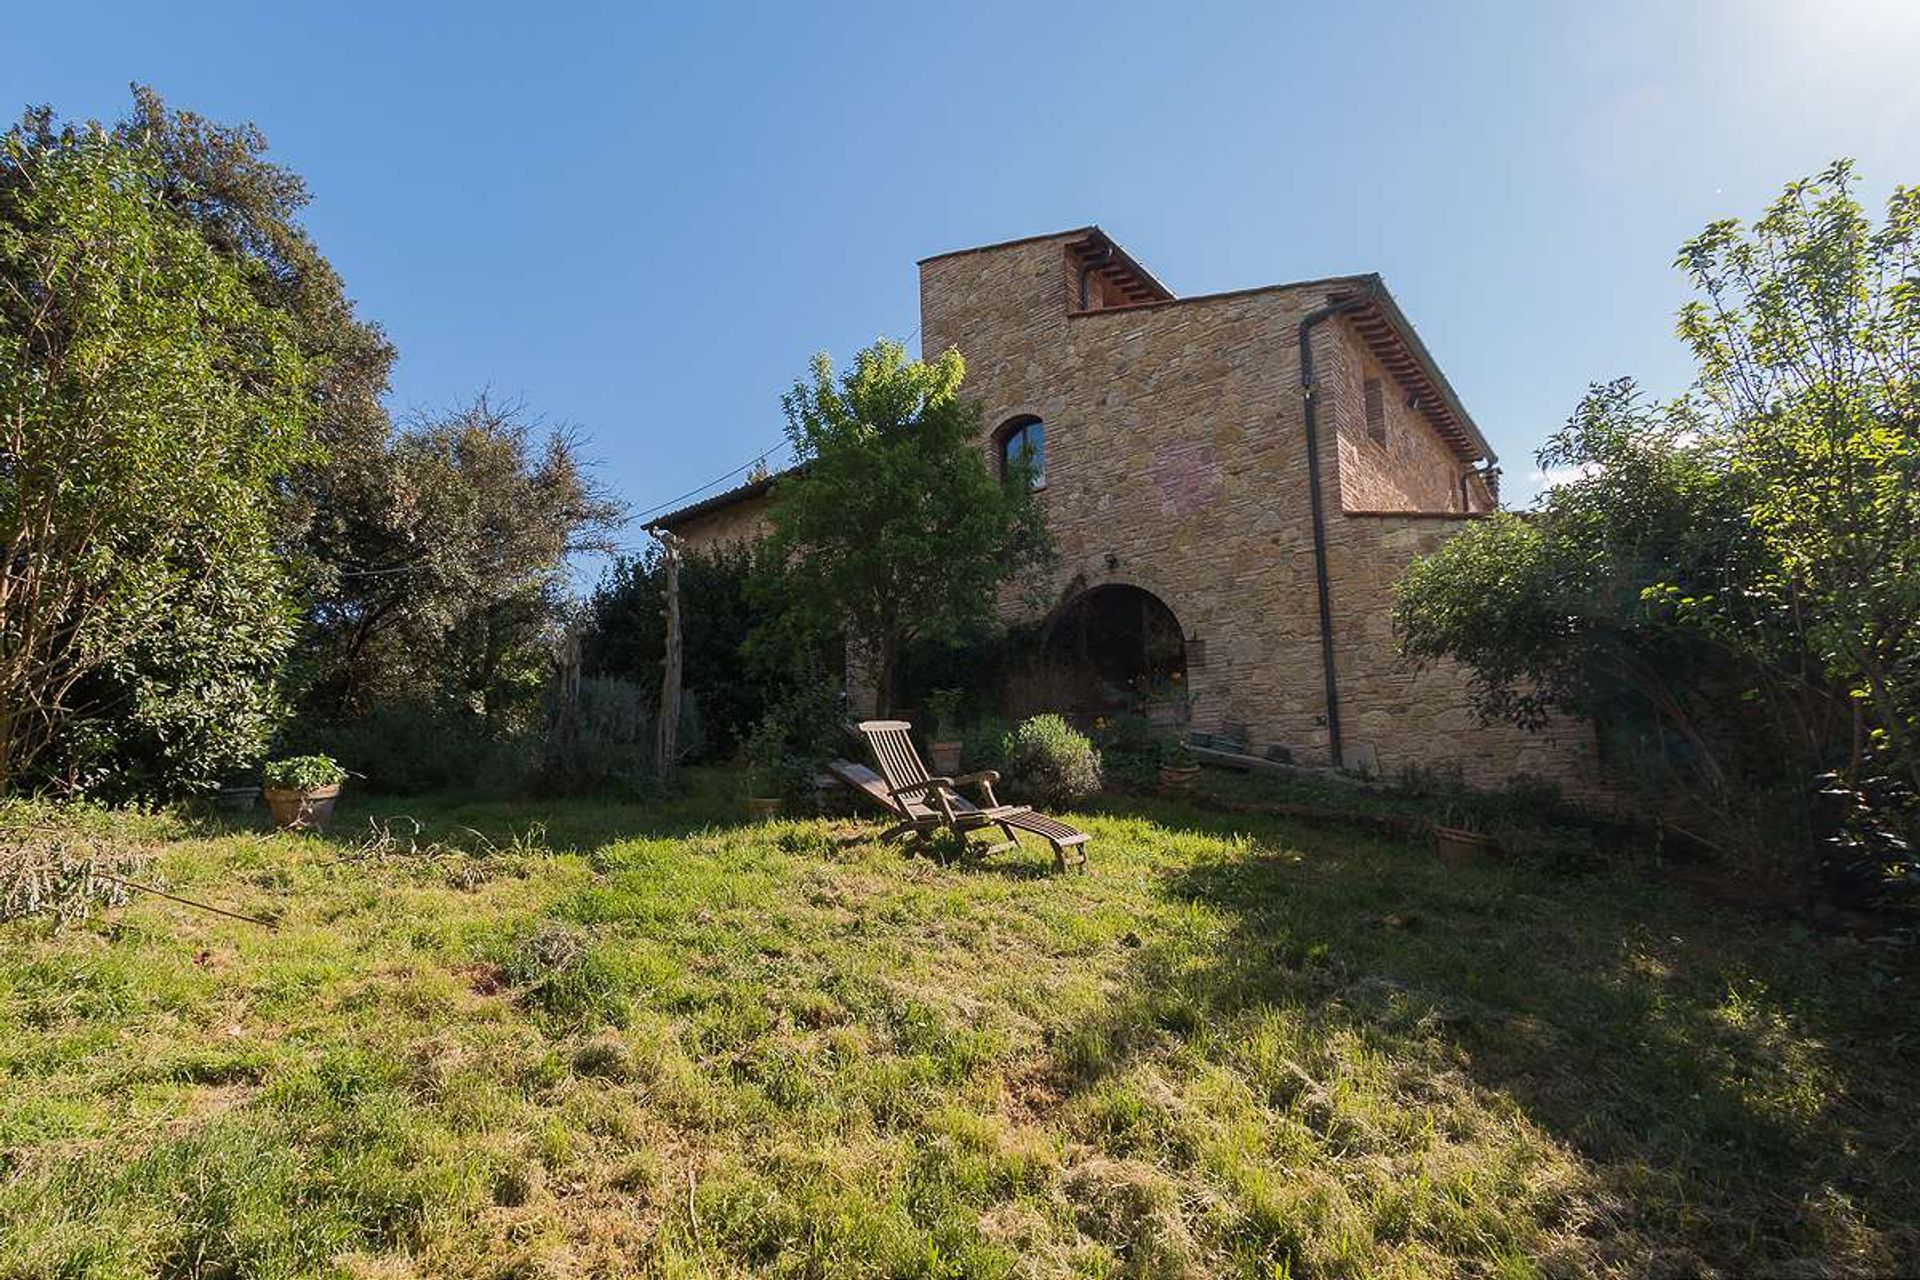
(1049, 763)
(891, 525)
(1729, 585)
(456, 593)
(303, 773)
(149, 408)
(408, 746)
(984, 742)
(610, 744)
(804, 728)
(430, 562)
(944, 706)
(1131, 747)
(726, 596)
(1177, 753)
(246, 208)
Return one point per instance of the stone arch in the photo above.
(1115, 648)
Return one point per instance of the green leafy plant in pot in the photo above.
(1179, 766)
(946, 745)
(300, 790)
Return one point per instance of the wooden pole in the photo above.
(667, 742)
(566, 705)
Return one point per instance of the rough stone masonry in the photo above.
(1177, 463)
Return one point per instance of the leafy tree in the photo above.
(247, 209)
(891, 525)
(726, 596)
(1808, 339)
(458, 586)
(148, 407)
(1730, 587)
(430, 560)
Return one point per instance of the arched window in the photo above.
(1023, 443)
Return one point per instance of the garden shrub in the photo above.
(726, 597)
(1130, 748)
(1049, 763)
(984, 743)
(806, 727)
(610, 746)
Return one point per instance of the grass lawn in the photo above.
(612, 1040)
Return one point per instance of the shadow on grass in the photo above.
(701, 801)
(1738, 1094)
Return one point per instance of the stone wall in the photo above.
(742, 521)
(1176, 463)
(1396, 714)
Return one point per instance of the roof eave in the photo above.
(1376, 289)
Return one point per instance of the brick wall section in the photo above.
(1414, 470)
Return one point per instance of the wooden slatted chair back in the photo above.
(894, 752)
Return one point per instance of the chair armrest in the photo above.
(915, 787)
(988, 776)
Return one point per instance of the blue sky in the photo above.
(641, 220)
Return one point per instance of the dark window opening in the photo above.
(1023, 446)
(1376, 411)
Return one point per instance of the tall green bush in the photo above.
(149, 408)
(727, 596)
(1728, 586)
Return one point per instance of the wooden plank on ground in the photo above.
(862, 781)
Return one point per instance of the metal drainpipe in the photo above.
(1088, 268)
(1311, 401)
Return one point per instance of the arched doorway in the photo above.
(1118, 649)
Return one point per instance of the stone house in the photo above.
(1234, 482)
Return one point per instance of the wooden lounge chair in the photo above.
(924, 803)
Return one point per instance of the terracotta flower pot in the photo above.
(763, 808)
(1178, 779)
(946, 757)
(1458, 848)
(296, 808)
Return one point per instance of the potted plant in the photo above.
(944, 706)
(1458, 840)
(1179, 767)
(300, 790)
